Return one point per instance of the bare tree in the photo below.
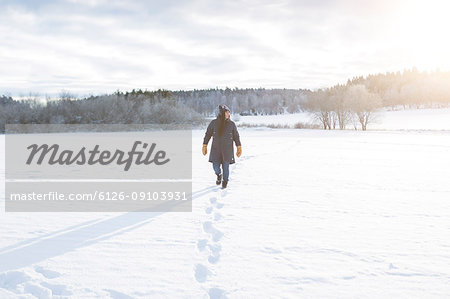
(341, 107)
(320, 105)
(363, 103)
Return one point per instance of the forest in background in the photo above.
(333, 107)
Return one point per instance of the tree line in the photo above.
(107, 109)
(336, 107)
(356, 102)
(249, 101)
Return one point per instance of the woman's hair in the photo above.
(221, 120)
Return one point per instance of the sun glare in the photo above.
(423, 28)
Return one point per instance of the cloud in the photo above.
(100, 46)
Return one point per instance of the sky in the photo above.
(94, 47)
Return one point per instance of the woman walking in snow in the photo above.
(224, 132)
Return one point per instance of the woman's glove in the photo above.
(204, 149)
(239, 151)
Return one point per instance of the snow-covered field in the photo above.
(411, 119)
(308, 214)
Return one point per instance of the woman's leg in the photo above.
(226, 170)
(216, 167)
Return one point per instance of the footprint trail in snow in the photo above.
(210, 245)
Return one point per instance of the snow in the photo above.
(280, 119)
(308, 213)
(410, 119)
(414, 119)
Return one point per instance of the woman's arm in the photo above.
(236, 138)
(209, 132)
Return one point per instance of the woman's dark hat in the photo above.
(223, 108)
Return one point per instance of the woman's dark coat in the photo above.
(222, 146)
